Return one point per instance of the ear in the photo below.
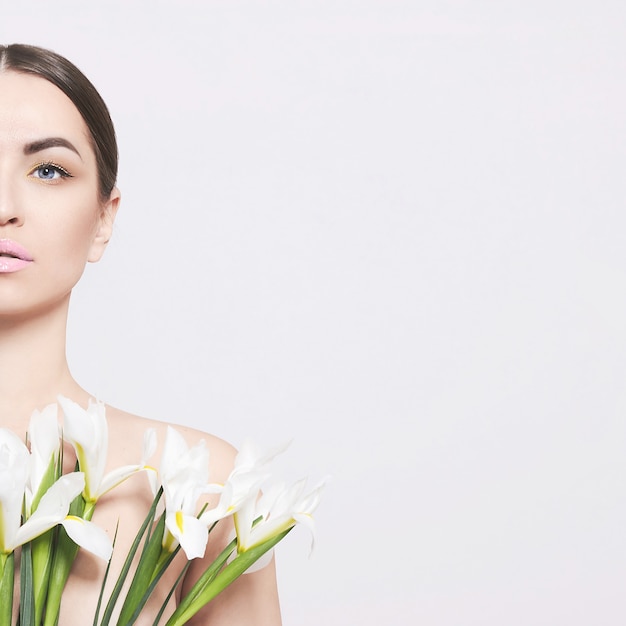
(105, 226)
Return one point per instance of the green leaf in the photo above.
(104, 580)
(106, 618)
(161, 566)
(42, 549)
(64, 555)
(210, 587)
(27, 598)
(146, 570)
(170, 594)
(49, 477)
(7, 566)
(208, 575)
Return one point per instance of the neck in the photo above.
(33, 366)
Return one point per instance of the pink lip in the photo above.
(19, 257)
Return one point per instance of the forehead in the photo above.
(32, 108)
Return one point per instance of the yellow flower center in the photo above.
(179, 520)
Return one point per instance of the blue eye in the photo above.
(49, 171)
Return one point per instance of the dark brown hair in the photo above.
(76, 86)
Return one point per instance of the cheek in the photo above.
(61, 222)
(69, 239)
(75, 231)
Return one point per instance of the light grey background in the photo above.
(394, 232)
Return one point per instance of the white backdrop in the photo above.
(394, 232)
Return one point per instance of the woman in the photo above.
(58, 200)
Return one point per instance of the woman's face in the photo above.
(52, 220)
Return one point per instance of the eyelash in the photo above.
(52, 166)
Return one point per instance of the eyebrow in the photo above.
(49, 142)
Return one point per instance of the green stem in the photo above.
(27, 598)
(144, 574)
(148, 592)
(144, 530)
(210, 584)
(7, 567)
(182, 574)
(42, 550)
(64, 556)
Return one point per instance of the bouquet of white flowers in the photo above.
(48, 515)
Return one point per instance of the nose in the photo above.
(10, 211)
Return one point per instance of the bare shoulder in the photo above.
(126, 432)
(252, 598)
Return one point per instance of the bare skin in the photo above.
(63, 224)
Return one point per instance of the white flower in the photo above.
(43, 437)
(239, 489)
(243, 485)
(53, 506)
(279, 509)
(184, 473)
(252, 458)
(14, 461)
(88, 433)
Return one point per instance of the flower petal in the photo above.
(261, 562)
(251, 457)
(243, 519)
(14, 459)
(117, 476)
(43, 435)
(279, 511)
(52, 509)
(87, 431)
(175, 448)
(306, 519)
(149, 445)
(88, 536)
(191, 533)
